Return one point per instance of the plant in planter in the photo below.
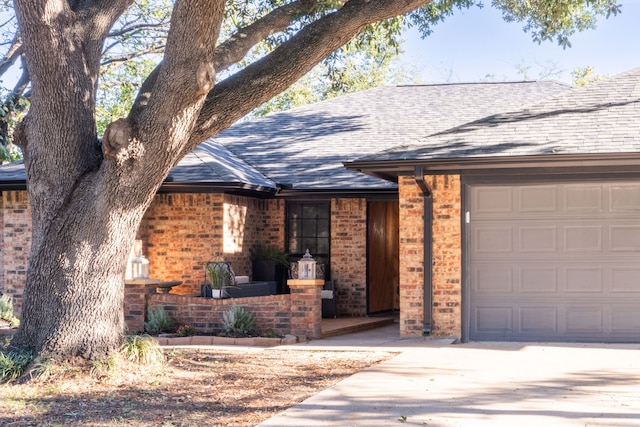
(220, 276)
(237, 321)
(269, 264)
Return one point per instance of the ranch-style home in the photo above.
(527, 216)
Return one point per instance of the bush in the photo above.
(142, 349)
(238, 321)
(6, 310)
(13, 364)
(159, 321)
(186, 331)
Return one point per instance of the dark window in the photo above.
(308, 228)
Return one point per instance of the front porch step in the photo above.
(348, 325)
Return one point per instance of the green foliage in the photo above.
(265, 253)
(585, 76)
(142, 349)
(186, 331)
(6, 310)
(218, 274)
(552, 19)
(238, 321)
(13, 364)
(158, 321)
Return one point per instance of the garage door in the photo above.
(554, 262)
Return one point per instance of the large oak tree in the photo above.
(88, 194)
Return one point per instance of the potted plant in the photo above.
(269, 264)
(219, 276)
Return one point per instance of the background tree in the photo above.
(88, 195)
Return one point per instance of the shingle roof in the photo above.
(601, 118)
(305, 148)
(212, 163)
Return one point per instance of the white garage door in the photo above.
(554, 262)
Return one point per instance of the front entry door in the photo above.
(383, 256)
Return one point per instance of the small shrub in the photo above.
(238, 321)
(13, 364)
(270, 334)
(142, 349)
(6, 311)
(186, 331)
(159, 321)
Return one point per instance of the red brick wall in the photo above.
(205, 314)
(447, 261)
(16, 244)
(181, 232)
(348, 255)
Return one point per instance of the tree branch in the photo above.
(14, 52)
(236, 47)
(236, 96)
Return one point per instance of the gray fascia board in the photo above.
(388, 169)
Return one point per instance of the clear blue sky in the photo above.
(475, 43)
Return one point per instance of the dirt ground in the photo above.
(195, 387)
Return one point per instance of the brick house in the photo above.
(531, 220)
(280, 181)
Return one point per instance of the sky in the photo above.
(477, 44)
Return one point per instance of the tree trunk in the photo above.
(74, 291)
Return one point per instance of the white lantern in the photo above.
(139, 264)
(307, 267)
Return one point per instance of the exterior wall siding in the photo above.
(447, 256)
(348, 255)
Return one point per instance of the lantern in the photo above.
(307, 267)
(139, 264)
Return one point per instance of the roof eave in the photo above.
(391, 169)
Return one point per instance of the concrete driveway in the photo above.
(436, 383)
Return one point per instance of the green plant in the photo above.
(6, 311)
(159, 321)
(218, 274)
(262, 253)
(13, 364)
(238, 321)
(186, 331)
(141, 349)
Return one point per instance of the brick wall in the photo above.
(15, 244)
(181, 232)
(348, 255)
(205, 315)
(447, 261)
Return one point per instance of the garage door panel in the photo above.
(561, 264)
(624, 238)
(493, 279)
(493, 320)
(538, 239)
(584, 320)
(583, 238)
(538, 279)
(583, 279)
(625, 279)
(583, 199)
(492, 239)
(539, 320)
(625, 198)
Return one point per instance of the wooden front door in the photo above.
(383, 256)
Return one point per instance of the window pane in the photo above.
(323, 228)
(323, 246)
(309, 211)
(323, 210)
(308, 228)
(309, 243)
(294, 247)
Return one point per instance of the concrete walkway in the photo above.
(437, 383)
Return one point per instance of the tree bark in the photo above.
(88, 198)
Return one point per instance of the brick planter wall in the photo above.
(348, 255)
(447, 260)
(205, 314)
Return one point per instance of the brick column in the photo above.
(135, 302)
(306, 307)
